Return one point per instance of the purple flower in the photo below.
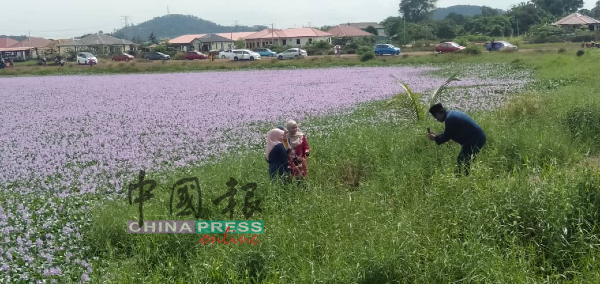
(4, 267)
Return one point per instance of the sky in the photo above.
(69, 18)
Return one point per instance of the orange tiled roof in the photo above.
(348, 31)
(6, 42)
(33, 42)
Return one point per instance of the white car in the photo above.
(226, 54)
(86, 58)
(292, 53)
(244, 54)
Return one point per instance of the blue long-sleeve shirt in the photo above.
(278, 161)
(462, 129)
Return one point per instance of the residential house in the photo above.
(345, 31)
(193, 42)
(98, 44)
(577, 20)
(32, 47)
(6, 42)
(289, 37)
(363, 26)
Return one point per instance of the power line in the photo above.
(125, 20)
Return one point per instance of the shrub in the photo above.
(462, 41)
(363, 49)
(404, 55)
(471, 50)
(179, 56)
(584, 122)
(580, 52)
(351, 51)
(562, 50)
(367, 56)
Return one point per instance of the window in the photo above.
(298, 41)
(310, 40)
(285, 42)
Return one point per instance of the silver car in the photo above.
(292, 53)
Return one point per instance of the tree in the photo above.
(524, 15)
(240, 43)
(488, 11)
(417, 10)
(371, 29)
(595, 12)
(446, 29)
(558, 7)
(456, 18)
(152, 38)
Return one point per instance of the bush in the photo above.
(363, 50)
(462, 41)
(179, 56)
(562, 50)
(580, 52)
(471, 50)
(367, 56)
(351, 51)
(404, 55)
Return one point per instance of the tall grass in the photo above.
(383, 205)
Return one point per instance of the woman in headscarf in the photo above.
(276, 154)
(298, 142)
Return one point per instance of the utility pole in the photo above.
(517, 27)
(404, 32)
(272, 35)
(168, 12)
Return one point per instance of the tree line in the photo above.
(415, 20)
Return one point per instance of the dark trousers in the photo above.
(467, 154)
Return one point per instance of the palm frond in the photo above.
(435, 96)
(416, 107)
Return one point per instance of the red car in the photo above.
(191, 55)
(122, 57)
(448, 47)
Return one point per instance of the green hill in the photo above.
(465, 10)
(171, 26)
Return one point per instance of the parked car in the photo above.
(244, 54)
(86, 58)
(499, 46)
(191, 55)
(226, 54)
(446, 47)
(265, 52)
(122, 57)
(382, 49)
(292, 53)
(157, 56)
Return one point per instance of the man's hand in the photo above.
(431, 136)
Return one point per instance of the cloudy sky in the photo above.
(68, 18)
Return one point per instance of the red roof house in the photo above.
(348, 31)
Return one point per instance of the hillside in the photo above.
(466, 10)
(171, 26)
(17, 38)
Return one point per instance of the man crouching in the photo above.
(463, 130)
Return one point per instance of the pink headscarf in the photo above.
(273, 138)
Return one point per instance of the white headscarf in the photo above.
(273, 138)
(295, 139)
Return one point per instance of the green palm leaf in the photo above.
(436, 95)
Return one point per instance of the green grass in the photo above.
(383, 204)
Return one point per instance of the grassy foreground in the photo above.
(383, 204)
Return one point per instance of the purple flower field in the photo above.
(63, 137)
